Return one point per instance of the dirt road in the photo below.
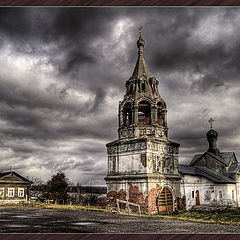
(34, 220)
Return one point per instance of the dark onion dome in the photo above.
(212, 134)
(140, 41)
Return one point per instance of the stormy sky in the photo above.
(63, 71)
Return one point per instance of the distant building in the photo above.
(76, 194)
(13, 187)
(212, 179)
(75, 191)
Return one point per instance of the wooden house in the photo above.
(13, 187)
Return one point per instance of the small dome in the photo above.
(140, 41)
(212, 134)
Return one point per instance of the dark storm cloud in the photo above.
(64, 70)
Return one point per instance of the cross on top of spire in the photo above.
(211, 120)
(140, 42)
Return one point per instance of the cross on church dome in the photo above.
(211, 120)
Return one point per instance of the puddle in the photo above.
(84, 223)
(16, 225)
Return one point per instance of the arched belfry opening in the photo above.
(161, 114)
(127, 114)
(144, 113)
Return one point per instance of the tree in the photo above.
(56, 188)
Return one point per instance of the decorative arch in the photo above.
(144, 113)
(145, 98)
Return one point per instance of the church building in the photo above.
(212, 178)
(143, 163)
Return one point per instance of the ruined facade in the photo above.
(142, 162)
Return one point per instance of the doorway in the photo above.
(165, 200)
(197, 198)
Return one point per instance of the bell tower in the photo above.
(142, 162)
(143, 112)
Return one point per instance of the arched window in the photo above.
(220, 195)
(161, 114)
(144, 113)
(127, 114)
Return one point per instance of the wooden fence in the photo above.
(128, 206)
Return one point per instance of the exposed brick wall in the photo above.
(151, 199)
(136, 196)
(112, 196)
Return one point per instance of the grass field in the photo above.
(231, 217)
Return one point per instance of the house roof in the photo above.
(3, 174)
(205, 172)
(224, 157)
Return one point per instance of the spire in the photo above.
(140, 42)
(141, 66)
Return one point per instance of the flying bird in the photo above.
(219, 84)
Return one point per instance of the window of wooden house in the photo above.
(20, 192)
(144, 113)
(2, 192)
(192, 194)
(232, 194)
(11, 192)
